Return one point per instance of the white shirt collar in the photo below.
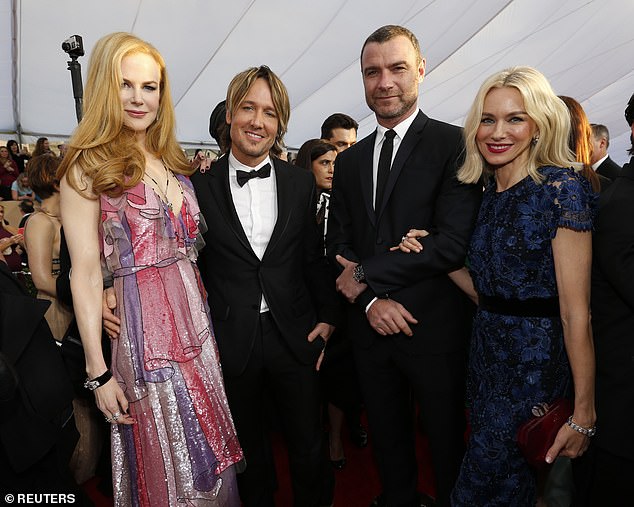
(400, 129)
(596, 165)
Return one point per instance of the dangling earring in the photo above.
(534, 140)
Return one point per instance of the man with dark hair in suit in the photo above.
(410, 321)
(340, 130)
(604, 476)
(271, 298)
(601, 161)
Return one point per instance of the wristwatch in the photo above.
(357, 274)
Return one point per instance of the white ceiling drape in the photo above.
(585, 48)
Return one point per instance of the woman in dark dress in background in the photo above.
(338, 374)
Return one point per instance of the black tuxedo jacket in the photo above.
(613, 314)
(422, 192)
(292, 275)
(609, 168)
(33, 418)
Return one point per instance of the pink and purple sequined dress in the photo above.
(183, 446)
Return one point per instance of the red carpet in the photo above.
(356, 485)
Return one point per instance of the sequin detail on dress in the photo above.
(183, 444)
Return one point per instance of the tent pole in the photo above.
(14, 69)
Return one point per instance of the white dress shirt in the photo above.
(401, 129)
(256, 206)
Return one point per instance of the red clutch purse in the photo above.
(536, 435)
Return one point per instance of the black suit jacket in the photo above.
(32, 419)
(292, 275)
(613, 314)
(422, 192)
(609, 168)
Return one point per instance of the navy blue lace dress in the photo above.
(515, 362)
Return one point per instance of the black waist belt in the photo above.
(532, 307)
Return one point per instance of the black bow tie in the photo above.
(262, 172)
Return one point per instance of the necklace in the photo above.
(46, 212)
(167, 186)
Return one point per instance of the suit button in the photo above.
(379, 241)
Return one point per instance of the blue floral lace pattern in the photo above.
(516, 362)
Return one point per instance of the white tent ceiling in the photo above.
(585, 48)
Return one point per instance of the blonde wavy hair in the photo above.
(104, 150)
(239, 88)
(548, 112)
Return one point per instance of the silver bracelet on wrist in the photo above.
(588, 432)
(97, 382)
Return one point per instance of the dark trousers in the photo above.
(602, 478)
(50, 474)
(273, 373)
(339, 379)
(389, 377)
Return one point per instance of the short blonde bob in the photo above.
(541, 103)
(102, 148)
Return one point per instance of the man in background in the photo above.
(604, 474)
(340, 130)
(601, 161)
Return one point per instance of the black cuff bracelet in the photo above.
(93, 384)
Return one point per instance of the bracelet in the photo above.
(93, 384)
(588, 432)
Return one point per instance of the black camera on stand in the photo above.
(74, 46)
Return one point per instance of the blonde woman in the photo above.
(126, 201)
(529, 270)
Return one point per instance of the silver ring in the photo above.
(403, 238)
(116, 416)
(108, 420)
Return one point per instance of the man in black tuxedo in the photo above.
(604, 474)
(271, 298)
(410, 322)
(601, 161)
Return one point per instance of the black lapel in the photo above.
(221, 192)
(284, 182)
(365, 160)
(409, 142)
(628, 170)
